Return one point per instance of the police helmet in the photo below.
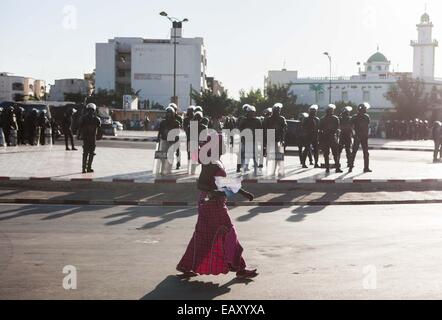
(330, 107)
(348, 109)
(174, 106)
(278, 106)
(91, 106)
(198, 109)
(364, 105)
(314, 107)
(267, 111)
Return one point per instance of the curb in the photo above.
(246, 181)
(131, 139)
(195, 204)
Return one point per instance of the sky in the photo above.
(55, 39)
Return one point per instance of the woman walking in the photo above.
(214, 248)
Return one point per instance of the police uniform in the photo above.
(252, 123)
(89, 125)
(437, 137)
(328, 131)
(361, 124)
(67, 129)
(310, 126)
(346, 135)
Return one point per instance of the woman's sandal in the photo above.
(247, 274)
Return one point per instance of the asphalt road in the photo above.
(345, 252)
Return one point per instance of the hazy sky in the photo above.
(244, 38)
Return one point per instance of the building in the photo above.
(146, 67)
(372, 82)
(424, 50)
(15, 88)
(66, 86)
(215, 86)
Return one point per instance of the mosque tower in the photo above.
(424, 50)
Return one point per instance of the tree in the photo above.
(75, 97)
(409, 98)
(283, 94)
(317, 88)
(214, 106)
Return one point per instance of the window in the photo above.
(17, 86)
(344, 96)
(366, 96)
(379, 68)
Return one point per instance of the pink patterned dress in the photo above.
(214, 248)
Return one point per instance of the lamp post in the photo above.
(330, 89)
(176, 23)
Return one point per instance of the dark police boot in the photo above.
(89, 164)
(367, 166)
(84, 162)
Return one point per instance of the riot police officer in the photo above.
(253, 123)
(20, 118)
(361, 124)
(190, 114)
(43, 123)
(180, 121)
(67, 128)
(346, 135)
(278, 123)
(310, 126)
(300, 138)
(31, 127)
(88, 128)
(437, 137)
(9, 125)
(328, 133)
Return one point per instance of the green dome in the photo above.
(377, 57)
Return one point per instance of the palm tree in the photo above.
(317, 88)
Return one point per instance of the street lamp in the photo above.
(330, 59)
(176, 23)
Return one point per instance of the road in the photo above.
(337, 252)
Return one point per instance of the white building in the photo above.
(63, 86)
(424, 50)
(371, 84)
(147, 66)
(15, 88)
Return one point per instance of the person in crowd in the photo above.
(328, 137)
(252, 123)
(190, 114)
(361, 124)
(437, 138)
(311, 130)
(301, 139)
(43, 123)
(67, 128)
(20, 118)
(346, 134)
(88, 127)
(9, 125)
(168, 124)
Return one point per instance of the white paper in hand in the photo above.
(230, 184)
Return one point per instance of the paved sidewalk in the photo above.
(375, 144)
(136, 165)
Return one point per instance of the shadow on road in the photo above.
(165, 215)
(175, 288)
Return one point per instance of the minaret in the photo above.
(424, 50)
